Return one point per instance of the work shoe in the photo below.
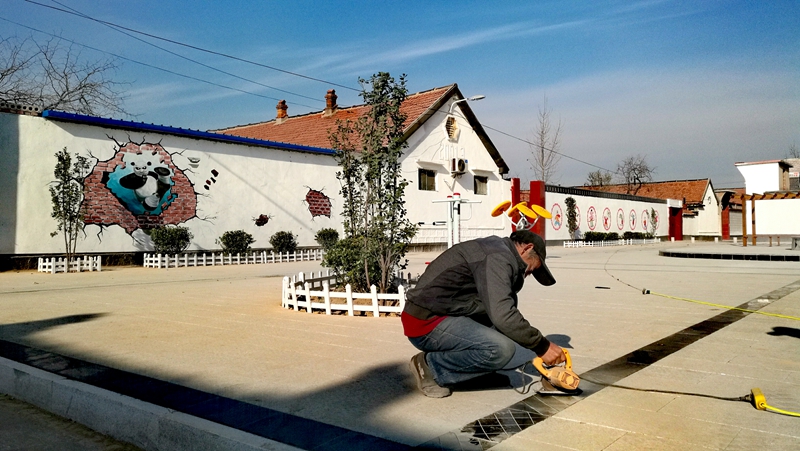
(425, 382)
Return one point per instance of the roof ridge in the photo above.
(339, 108)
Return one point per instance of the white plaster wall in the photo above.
(776, 217)
(760, 178)
(251, 181)
(430, 148)
(709, 219)
(555, 201)
(9, 167)
(691, 226)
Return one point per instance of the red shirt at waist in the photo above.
(415, 327)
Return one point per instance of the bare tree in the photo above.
(54, 75)
(633, 172)
(545, 146)
(598, 178)
(794, 152)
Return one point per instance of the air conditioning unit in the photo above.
(458, 166)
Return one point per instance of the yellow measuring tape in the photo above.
(777, 315)
(757, 399)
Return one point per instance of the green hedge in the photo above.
(236, 242)
(170, 240)
(283, 241)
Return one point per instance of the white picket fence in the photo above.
(629, 242)
(300, 293)
(54, 265)
(220, 259)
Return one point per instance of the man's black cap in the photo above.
(542, 273)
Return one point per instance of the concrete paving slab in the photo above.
(551, 435)
(221, 330)
(25, 427)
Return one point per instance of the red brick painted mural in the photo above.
(138, 188)
(318, 203)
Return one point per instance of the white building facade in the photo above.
(778, 210)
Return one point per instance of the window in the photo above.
(481, 185)
(427, 180)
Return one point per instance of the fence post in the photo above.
(284, 291)
(375, 308)
(401, 294)
(326, 291)
(294, 297)
(349, 292)
(308, 296)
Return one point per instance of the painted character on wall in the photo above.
(150, 179)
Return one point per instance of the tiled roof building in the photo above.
(702, 213)
(312, 129)
(448, 154)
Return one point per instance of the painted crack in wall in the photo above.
(139, 187)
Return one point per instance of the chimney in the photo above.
(330, 103)
(281, 116)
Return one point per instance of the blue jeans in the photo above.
(459, 349)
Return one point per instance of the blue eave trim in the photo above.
(116, 123)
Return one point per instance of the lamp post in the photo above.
(471, 99)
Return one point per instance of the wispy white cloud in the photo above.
(353, 60)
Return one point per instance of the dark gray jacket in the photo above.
(480, 279)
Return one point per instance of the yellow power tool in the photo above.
(558, 380)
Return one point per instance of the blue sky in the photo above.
(694, 86)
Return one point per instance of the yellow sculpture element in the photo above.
(500, 208)
(523, 217)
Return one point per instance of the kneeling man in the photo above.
(463, 313)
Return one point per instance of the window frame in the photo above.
(429, 177)
(485, 182)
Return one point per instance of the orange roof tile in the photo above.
(692, 191)
(312, 129)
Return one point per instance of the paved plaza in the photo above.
(206, 358)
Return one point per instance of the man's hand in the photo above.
(553, 356)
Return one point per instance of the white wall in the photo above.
(251, 181)
(606, 212)
(760, 178)
(776, 217)
(708, 222)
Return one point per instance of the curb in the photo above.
(142, 424)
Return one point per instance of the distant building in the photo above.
(774, 186)
(765, 176)
(701, 210)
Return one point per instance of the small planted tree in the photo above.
(236, 242)
(285, 242)
(66, 194)
(368, 152)
(653, 223)
(170, 239)
(572, 216)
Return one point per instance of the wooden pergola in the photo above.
(753, 198)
